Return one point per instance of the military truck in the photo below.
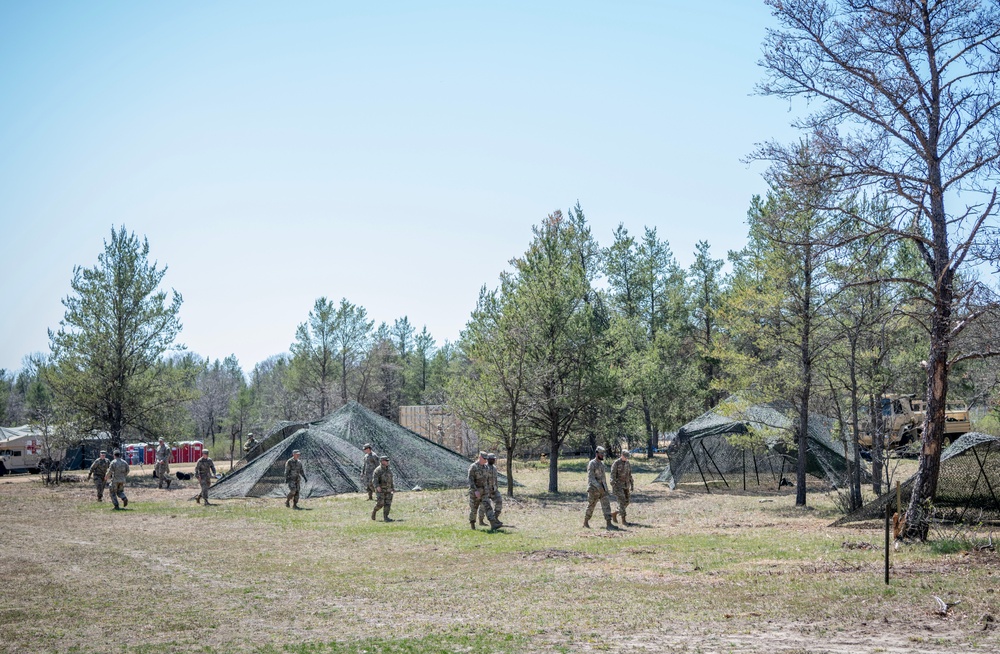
(903, 422)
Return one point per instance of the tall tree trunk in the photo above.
(856, 469)
(510, 468)
(647, 418)
(806, 362)
(878, 442)
(925, 484)
(553, 460)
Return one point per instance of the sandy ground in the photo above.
(738, 572)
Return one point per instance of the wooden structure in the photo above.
(439, 424)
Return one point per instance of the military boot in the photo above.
(482, 522)
(288, 501)
(611, 527)
(168, 483)
(495, 524)
(373, 513)
(624, 522)
(614, 516)
(586, 523)
(295, 504)
(472, 523)
(385, 515)
(370, 495)
(198, 499)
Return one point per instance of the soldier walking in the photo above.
(161, 467)
(493, 488)
(204, 471)
(597, 490)
(98, 469)
(116, 474)
(368, 469)
(294, 470)
(250, 445)
(382, 482)
(622, 484)
(479, 492)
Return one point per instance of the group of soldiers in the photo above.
(622, 484)
(485, 498)
(112, 474)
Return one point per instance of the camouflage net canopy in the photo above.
(968, 485)
(331, 455)
(709, 447)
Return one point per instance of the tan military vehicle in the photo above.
(903, 417)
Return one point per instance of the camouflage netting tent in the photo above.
(968, 485)
(709, 447)
(332, 456)
(332, 466)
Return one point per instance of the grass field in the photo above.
(725, 572)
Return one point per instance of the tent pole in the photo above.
(709, 455)
(743, 451)
(695, 457)
(756, 472)
(982, 469)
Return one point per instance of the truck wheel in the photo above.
(3, 469)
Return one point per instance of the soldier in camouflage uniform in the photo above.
(98, 469)
(493, 487)
(597, 490)
(116, 474)
(382, 482)
(622, 484)
(479, 494)
(294, 470)
(250, 445)
(161, 468)
(368, 469)
(204, 470)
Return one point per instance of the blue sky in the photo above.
(396, 154)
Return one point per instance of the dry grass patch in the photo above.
(720, 572)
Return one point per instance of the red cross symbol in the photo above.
(31, 446)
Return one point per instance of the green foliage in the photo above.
(107, 360)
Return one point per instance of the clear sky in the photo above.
(396, 154)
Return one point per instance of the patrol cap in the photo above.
(625, 453)
(483, 454)
(600, 449)
(367, 446)
(295, 452)
(104, 452)
(492, 456)
(117, 453)
(384, 457)
(161, 439)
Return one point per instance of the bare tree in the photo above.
(908, 104)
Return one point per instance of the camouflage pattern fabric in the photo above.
(99, 469)
(162, 465)
(204, 470)
(293, 471)
(367, 470)
(99, 486)
(495, 495)
(117, 471)
(118, 491)
(597, 489)
(382, 481)
(622, 484)
(479, 483)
